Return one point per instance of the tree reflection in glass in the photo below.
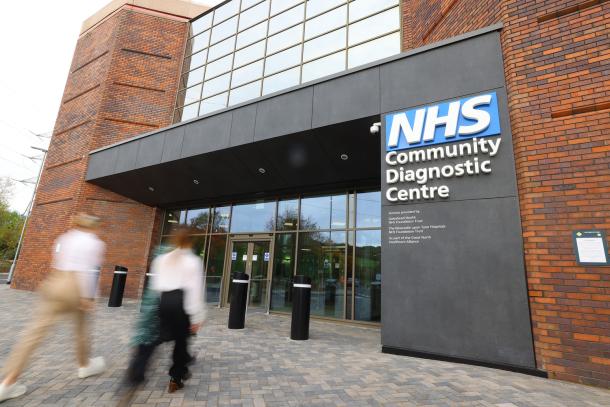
(367, 285)
(322, 258)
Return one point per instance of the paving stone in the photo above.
(341, 365)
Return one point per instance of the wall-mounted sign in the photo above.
(591, 247)
(254, 257)
(244, 257)
(437, 143)
(448, 122)
(266, 256)
(233, 255)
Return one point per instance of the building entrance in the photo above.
(253, 256)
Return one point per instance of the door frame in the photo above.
(226, 275)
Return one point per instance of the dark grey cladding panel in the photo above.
(461, 292)
(442, 73)
(102, 163)
(242, 125)
(150, 151)
(284, 114)
(126, 158)
(209, 134)
(172, 148)
(346, 98)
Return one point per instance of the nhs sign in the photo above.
(475, 116)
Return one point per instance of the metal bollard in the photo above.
(118, 286)
(239, 300)
(301, 301)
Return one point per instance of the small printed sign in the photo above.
(234, 256)
(591, 247)
(254, 257)
(266, 256)
(244, 257)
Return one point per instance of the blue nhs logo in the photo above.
(475, 116)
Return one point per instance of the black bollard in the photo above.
(239, 299)
(118, 286)
(301, 300)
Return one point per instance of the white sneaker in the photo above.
(96, 366)
(12, 391)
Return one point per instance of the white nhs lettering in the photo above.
(427, 119)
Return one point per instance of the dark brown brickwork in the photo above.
(428, 21)
(122, 82)
(557, 73)
(557, 65)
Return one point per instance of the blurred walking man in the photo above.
(69, 290)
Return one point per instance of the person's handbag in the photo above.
(148, 325)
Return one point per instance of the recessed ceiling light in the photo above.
(196, 181)
(262, 170)
(344, 157)
(151, 189)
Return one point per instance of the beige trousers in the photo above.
(59, 295)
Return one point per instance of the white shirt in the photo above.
(82, 252)
(180, 269)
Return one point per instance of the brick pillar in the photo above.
(122, 82)
(557, 59)
(428, 21)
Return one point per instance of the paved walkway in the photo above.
(340, 366)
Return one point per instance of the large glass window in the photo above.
(281, 80)
(325, 44)
(285, 39)
(368, 209)
(197, 219)
(221, 219)
(215, 267)
(323, 212)
(247, 74)
(287, 214)
(374, 50)
(296, 40)
(255, 217)
(334, 239)
(283, 269)
(324, 66)
(326, 22)
(254, 15)
(243, 93)
(367, 281)
(322, 258)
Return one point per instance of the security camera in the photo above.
(375, 128)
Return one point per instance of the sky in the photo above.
(38, 38)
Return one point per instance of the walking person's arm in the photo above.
(194, 305)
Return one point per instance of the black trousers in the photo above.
(175, 325)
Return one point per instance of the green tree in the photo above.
(11, 222)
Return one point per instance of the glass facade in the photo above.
(334, 239)
(248, 48)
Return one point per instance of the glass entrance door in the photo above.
(252, 257)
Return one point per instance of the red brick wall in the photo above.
(557, 73)
(428, 21)
(557, 65)
(122, 82)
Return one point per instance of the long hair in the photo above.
(183, 238)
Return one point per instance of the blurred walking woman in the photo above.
(178, 277)
(69, 290)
